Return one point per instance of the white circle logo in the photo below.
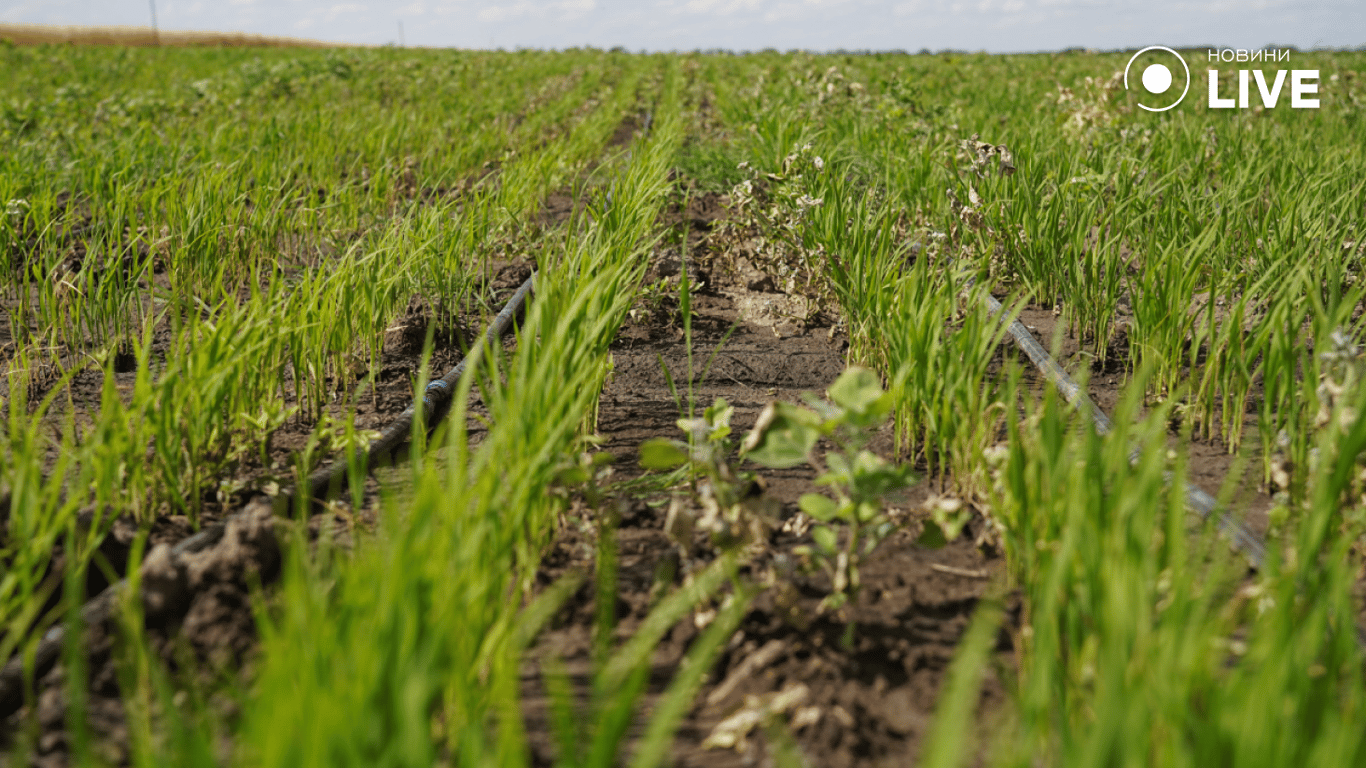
(1157, 77)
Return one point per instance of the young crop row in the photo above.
(205, 199)
(1234, 253)
(236, 324)
(420, 634)
(252, 265)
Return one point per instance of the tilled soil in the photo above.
(868, 704)
(207, 631)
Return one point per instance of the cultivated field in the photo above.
(39, 34)
(758, 477)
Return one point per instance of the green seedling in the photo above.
(272, 415)
(786, 435)
(727, 505)
(277, 210)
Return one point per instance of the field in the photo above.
(758, 475)
(39, 34)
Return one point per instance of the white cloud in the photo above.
(496, 13)
(710, 7)
(560, 10)
(341, 9)
(992, 25)
(573, 9)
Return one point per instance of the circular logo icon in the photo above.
(1157, 77)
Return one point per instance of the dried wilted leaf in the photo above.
(752, 663)
(678, 524)
(804, 717)
(1006, 160)
(731, 732)
(968, 213)
(980, 154)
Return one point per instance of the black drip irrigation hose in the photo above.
(433, 405)
(1238, 535)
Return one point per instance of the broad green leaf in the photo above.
(662, 453)
(820, 507)
(696, 427)
(932, 536)
(857, 389)
(867, 461)
(718, 415)
(783, 436)
(829, 414)
(835, 602)
(824, 536)
(571, 476)
(951, 520)
(839, 467)
(875, 477)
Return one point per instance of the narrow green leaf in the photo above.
(674, 705)
(660, 620)
(947, 746)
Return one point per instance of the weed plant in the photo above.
(253, 271)
(249, 223)
(434, 587)
(1220, 253)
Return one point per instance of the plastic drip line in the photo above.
(1237, 534)
(433, 404)
(1233, 529)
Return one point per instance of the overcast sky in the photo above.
(990, 25)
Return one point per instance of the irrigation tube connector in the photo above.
(433, 405)
(1238, 535)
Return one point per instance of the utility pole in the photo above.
(400, 34)
(156, 34)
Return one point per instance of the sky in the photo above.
(996, 26)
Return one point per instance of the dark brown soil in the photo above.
(867, 705)
(871, 703)
(209, 631)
